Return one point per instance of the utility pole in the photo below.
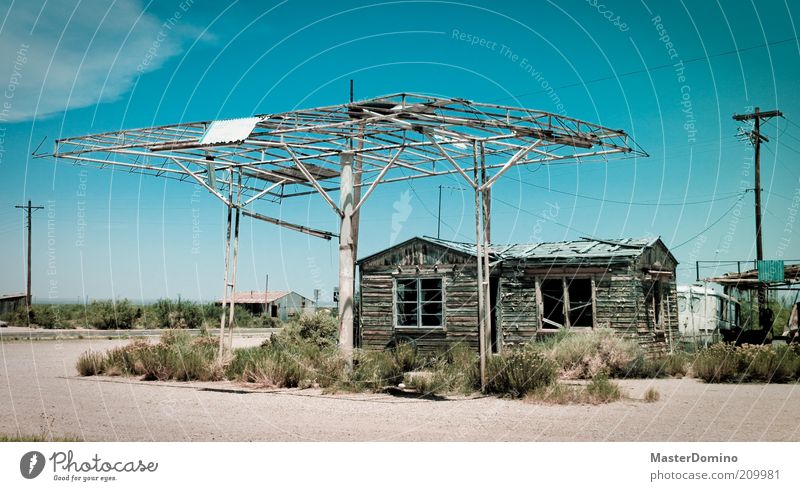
(756, 138)
(266, 296)
(439, 215)
(29, 208)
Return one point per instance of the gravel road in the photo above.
(40, 391)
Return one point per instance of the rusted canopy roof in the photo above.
(277, 155)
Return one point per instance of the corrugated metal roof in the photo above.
(226, 131)
(573, 249)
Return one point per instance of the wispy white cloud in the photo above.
(65, 54)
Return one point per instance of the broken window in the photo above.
(553, 303)
(654, 299)
(566, 302)
(580, 302)
(418, 302)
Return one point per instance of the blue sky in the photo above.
(71, 68)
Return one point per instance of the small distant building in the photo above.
(278, 304)
(425, 290)
(11, 302)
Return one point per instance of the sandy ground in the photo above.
(40, 389)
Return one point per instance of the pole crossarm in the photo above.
(203, 183)
(322, 234)
(376, 181)
(511, 162)
(314, 182)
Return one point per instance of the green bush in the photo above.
(107, 314)
(19, 317)
(212, 312)
(518, 371)
(164, 313)
(44, 316)
(320, 329)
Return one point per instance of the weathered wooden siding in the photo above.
(460, 308)
(621, 296)
(421, 259)
(519, 316)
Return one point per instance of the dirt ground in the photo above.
(40, 391)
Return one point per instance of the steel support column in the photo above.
(347, 260)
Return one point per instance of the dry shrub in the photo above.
(599, 391)
(748, 363)
(602, 390)
(374, 370)
(652, 395)
(718, 363)
(90, 363)
(602, 351)
(669, 365)
(518, 371)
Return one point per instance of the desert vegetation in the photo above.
(564, 369)
(748, 363)
(124, 314)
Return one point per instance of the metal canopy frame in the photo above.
(349, 148)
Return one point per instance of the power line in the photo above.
(646, 70)
(726, 196)
(710, 226)
(585, 234)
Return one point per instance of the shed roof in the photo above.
(579, 250)
(12, 296)
(258, 296)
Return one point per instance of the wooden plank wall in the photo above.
(419, 258)
(620, 298)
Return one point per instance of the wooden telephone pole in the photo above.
(756, 138)
(29, 208)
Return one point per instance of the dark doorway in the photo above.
(494, 287)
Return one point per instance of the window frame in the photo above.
(566, 281)
(395, 303)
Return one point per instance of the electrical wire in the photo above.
(584, 234)
(710, 226)
(629, 203)
(645, 70)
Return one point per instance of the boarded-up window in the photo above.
(418, 302)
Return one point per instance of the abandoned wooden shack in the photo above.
(424, 290)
